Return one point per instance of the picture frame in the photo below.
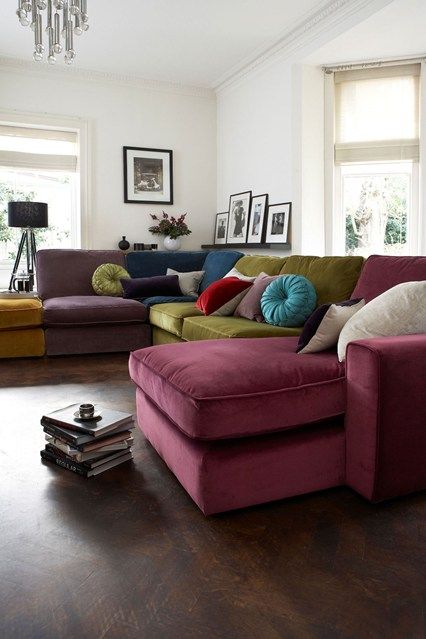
(221, 228)
(148, 175)
(278, 223)
(238, 218)
(257, 219)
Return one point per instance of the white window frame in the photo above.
(80, 126)
(333, 233)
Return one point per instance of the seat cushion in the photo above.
(170, 317)
(213, 327)
(27, 342)
(234, 388)
(20, 313)
(80, 310)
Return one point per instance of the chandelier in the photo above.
(74, 22)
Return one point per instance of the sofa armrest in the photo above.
(386, 416)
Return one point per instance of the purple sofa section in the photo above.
(84, 309)
(386, 416)
(101, 338)
(233, 388)
(382, 272)
(65, 272)
(225, 475)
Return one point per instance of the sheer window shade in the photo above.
(45, 149)
(377, 114)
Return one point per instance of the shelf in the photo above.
(286, 246)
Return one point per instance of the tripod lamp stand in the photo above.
(27, 216)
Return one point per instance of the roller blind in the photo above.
(38, 149)
(377, 114)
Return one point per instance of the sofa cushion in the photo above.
(213, 327)
(165, 299)
(222, 297)
(170, 317)
(106, 280)
(63, 272)
(189, 281)
(235, 388)
(150, 263)
(139, 287)
(334, 278)
(217, 264)
(249, 307)
(382, 272)
(77, 310)
(20, 313)
(253, 265)
(288, 301)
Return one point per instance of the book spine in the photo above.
(51, 430)
(63, 463)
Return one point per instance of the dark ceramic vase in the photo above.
(123, 244)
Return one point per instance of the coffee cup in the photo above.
(86, 410)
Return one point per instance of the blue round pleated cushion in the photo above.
(288, 301)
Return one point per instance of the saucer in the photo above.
(96, 415)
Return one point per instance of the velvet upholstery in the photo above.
(216, 266)
(160, 336)
(20, 313)
(25, 342)
(62, 272)
(140, 287)
(221, 476)
(220, 389)
(170, 317)
(166, 299)
(382, 272)
(253, 265)
(334, 278)
(80, 309)
(99, 338)
(386, 416)
(212, 327)
(151, 263)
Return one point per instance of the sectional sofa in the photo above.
(247, 421)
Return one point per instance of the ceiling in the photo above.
(397, 30)
(193, 42)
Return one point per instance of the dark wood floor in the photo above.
(128, 554)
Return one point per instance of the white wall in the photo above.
(124, 115)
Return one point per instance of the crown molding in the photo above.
(27, 67)
(328, 18)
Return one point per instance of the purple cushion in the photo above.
(314, 321)
(63, 272)
(139, 287)
(219, 389)
(382, 272)
(249, 307)
(81, 309)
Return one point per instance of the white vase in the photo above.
(171, 244)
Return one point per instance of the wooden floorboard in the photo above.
(127, 554)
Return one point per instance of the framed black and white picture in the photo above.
(148, 175)
(277, 223)
(257, 219)
(221, 228)
(239, 210)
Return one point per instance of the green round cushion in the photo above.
(288, 301)
(106, 280)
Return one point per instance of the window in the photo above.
(40, 165)
(376, 157)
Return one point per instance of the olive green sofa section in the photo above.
(334, 279)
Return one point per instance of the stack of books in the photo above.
(88, 447)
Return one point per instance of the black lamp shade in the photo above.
(32, 215)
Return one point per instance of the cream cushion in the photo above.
(399, 311)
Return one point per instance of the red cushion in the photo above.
(219, 389)
(219, 293)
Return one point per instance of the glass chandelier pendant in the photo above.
(75, 21)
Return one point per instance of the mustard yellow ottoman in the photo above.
(21, 334)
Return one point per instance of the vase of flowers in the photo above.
(171, 228)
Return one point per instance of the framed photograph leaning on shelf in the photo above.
(239, 209)
(257, 219)
(277, 223)
(221, 228)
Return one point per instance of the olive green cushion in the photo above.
(214, 327)
(253, 265)
(334, 278)
(159, 336)
(169, 317)
(106, 280)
